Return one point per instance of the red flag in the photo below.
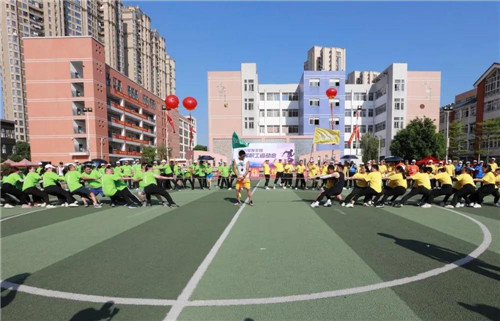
(171, 122)
(355, 134)
(358, 135)
(191, 129)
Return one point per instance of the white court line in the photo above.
(269, 300)
(183, 298)
(18, 215)
(340, 211)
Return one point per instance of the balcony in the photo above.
(80, 147)
(77, 107)
(79, 127)
(76, 69)
(77, 90)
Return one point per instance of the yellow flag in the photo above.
(326, 136)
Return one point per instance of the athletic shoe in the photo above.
(50, 206)
(43, 205)
(398, 205)
(470, 204)
(113, 204)
(281, 184)
(22, 206)
(284, 187)
(426, 205)
(97, 206)
(64, 205)
(314, 204)
(449, 206)
(144, 204)
(267, 188)
(328, 203)
(132, 206)
(379, 205)
(497, 204)
(165, 204)
(477, 205)
(274, 187)
(296, 188)
(349, 205)
(229, 188)
(37, 205)
(460, 205)
(73, 204)
(370, 202)
(366, 204)
(250, 203)
(238, 203)
(9, 206)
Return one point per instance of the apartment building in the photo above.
(187, 141)
(325, 59)
(80, 108)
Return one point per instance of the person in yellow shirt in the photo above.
(395, 187)
(312, 175)
(323, 172)
(421, 186)
(267, 172)
(467, 187)
(300, 169)
(445, 180)
(280, 167)
(360, 179)
(492, 162)
(374, 180)
(496, 193)
(489, 187)
(450, 168)
(288, 174)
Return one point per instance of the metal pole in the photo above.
(447, 133)
(166, 135)
(378, 151)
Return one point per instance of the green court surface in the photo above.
(277, 260)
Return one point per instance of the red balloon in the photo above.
(189, 103)
(171, 102)
(331, 93)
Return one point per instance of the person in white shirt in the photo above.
(242, 169)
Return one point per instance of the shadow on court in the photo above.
(445, 255)
(9, 291)
(91, 314)
(231, 200)
(488, 311)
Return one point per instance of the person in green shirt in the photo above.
(179, 176)
(9, 189)
(187, 172)
(136, 168)
(201, 172)
(39, 168)
(168, 172)
(118, 168)
(29, 188)
(94, 182)
(102, 169)
(139, 179)
(73, 178)
(224, 175)
(127, 172)
(219, 176)
(51, 186)
(78, 166)
(151, 187)
(112, 188)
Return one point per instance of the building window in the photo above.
(314, 82)
(334, 82)
(335, 121)
(262, 96)
(248, 103)
(398, 122)
(370, 96)
(348, 96)
(248, 85)
(273, 96)
(290, 113)
(262, 113)
(348, 113)
(335, 102)
(399, 85)
(273, 129)
(399, 103)
(492, 84)
(380, 126)
(347, 128)
(262, 129)
(273, 113)
(360, 96)
(251, 121)
(290, 96)
(314, 102)
(314, 121)
(380, 109)
(370, 112)
(370, 128)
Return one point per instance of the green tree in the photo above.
(22, 150)
(418, 140)
(369, 145)
(486, 133)
(200, 147)
(161, 151)
(148, 154)
(457, 138)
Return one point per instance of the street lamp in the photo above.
(447, 110)
(359, 109)
(87, 110)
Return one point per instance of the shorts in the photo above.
(210, 175)
(96, 191)
(82, 191)
(243, 184)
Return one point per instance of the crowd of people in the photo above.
(379, 184)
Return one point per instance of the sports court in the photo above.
(278, 260)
